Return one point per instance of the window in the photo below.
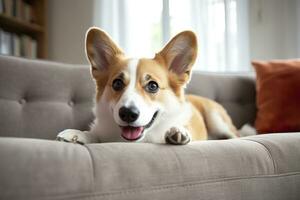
(142, 27)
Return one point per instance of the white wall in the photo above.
(273, 29)
(68, 21)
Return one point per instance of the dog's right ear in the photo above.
(100, 49)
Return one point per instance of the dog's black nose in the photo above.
(129, 114)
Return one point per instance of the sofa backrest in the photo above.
(38, 99)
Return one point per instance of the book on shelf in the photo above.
(1, 6)
(8, 7)
(6, 48)
(17, 45)
(33, 48)
(17, 8)
(16, 50)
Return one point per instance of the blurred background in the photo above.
(231, 33)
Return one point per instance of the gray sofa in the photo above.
(38, 99)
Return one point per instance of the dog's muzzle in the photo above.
(132, 133)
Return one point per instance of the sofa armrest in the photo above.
(35, 169)
(256, 167)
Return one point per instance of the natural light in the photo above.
(142, 28)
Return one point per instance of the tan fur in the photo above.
(197, 126)
(204, 105)
(113, 56)
(105, 78)
(155, 72)
(166, 56)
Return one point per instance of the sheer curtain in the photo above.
(134, 24)
(141, 27)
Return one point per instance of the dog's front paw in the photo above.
(73, 136)
(177, 136)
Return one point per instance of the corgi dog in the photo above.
(143, 100)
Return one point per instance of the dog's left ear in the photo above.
(180, 54)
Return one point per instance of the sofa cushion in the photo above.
(278, 96)
(38, 99)
(257, 167)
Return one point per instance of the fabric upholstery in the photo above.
(38, 99)
(278, 96)
(257, 167)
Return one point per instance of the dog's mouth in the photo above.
(132, 133)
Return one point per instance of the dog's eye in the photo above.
(152, 87)
(118, 84)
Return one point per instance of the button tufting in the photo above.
(22, 101)
(71, 103)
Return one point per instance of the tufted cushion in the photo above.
(38, 99)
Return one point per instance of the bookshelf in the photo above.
(23, 28)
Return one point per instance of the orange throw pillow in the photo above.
(278, 96)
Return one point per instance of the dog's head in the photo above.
(139, 91)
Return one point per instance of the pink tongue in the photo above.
(131, 133)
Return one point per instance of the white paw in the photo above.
(177, 136)
(73, 135)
